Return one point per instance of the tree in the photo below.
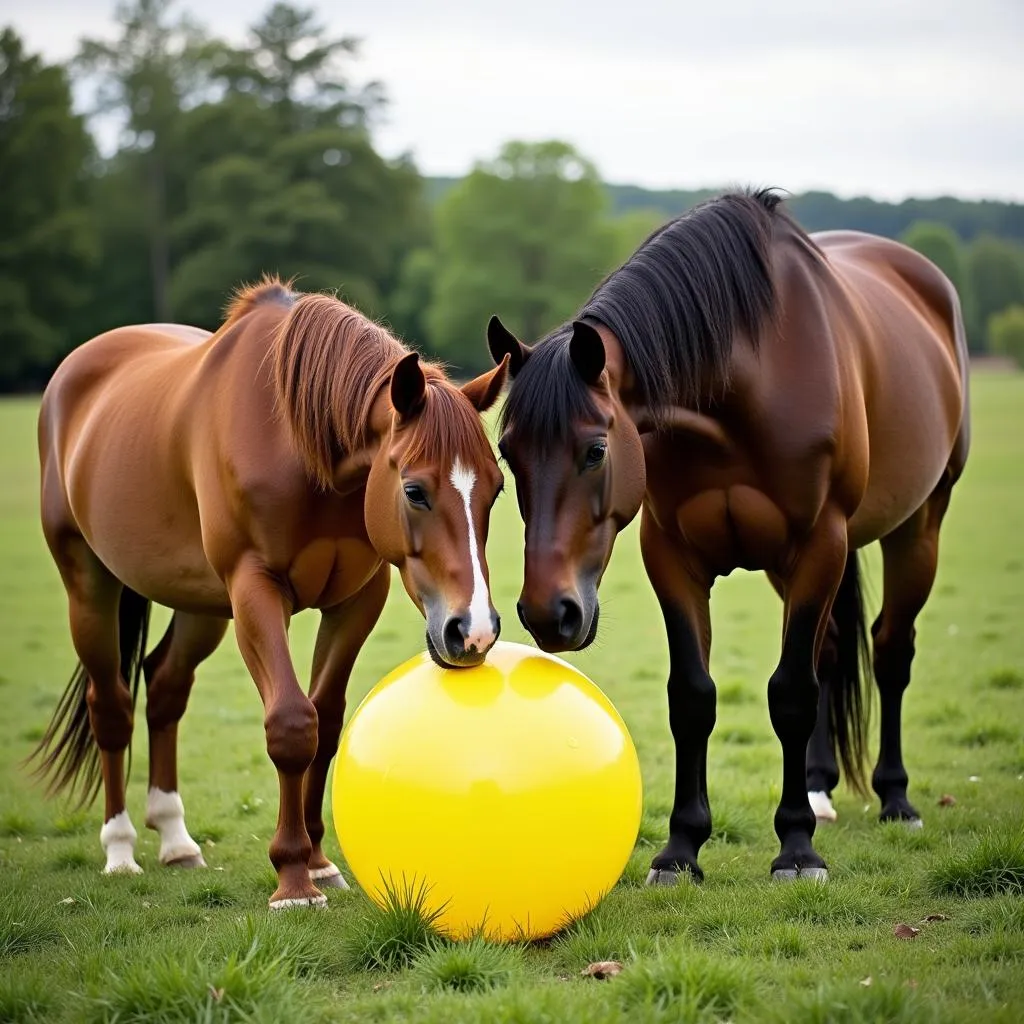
(48, 241)
(1006, 333)
(146, 77)
(995, 269)
(524, 235)
(293, 68)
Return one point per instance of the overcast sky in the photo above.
(880, 97)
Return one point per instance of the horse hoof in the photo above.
(822, 806)
(123, 867)
(819, 875)
(328, 877)
(914, 824)
(188, 862)
(320, 900)
(667, 877)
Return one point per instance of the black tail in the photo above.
(848, 694)
(67, 755)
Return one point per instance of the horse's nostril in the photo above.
(454, 634)
(570, 620)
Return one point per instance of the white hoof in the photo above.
(166, 814)
(117, 837)
(330, 876)
(822, 806)
(305, 901)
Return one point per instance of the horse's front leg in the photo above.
(684, 592)
(809, 588)
(343, 631)
(262, 613)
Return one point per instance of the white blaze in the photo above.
(117, 837)
(481, 632)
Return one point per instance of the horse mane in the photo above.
(676, 306)
(329, 365)
(269, 288)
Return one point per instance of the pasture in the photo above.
(77, 946)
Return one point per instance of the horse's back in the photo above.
(901, 338)
(115, 456)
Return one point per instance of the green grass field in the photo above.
(201, 946)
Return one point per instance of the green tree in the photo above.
(48, 242)
(1006, 333)
(157, 66)
(995, 269)
(524, 235)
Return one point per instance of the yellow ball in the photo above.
(509, 792)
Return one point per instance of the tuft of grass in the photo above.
(26, 926)
(390, 937)
(836, 903)
(74, 824)
(210, 894)
(73, 860)
(284, 940)
(851, 1003)
(1006, 679)
(991, 865)
(776, 942)
(986, 733)
(602, 934)
(248, 804)
(472, 966)
(16, 826)
(25, 998)
(181, 989)
(688, 984)
(731, 824)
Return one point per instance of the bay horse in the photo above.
(285, 462)
(774, 401)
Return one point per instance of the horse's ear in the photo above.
(502, 342)
(408, 386)
(586, 350)
(484, 390)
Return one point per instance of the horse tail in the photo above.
(849, 691)
(67, 756)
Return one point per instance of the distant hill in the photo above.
(820, 211)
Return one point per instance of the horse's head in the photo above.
(429, 494)
(579, 468)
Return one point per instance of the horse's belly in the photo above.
(912, 428)
(139, 515)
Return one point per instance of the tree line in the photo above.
(235, 160)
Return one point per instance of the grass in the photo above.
(169, 946)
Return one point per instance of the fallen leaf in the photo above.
(67, 900)
(911, 983)
(905, 931)
(216, 994)
(602, 969)
(866, 981)
(934, 917)
(947, 800)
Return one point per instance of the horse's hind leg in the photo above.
(94, 598)
(909, 559)
(170, 673)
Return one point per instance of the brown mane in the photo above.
(330, 363)
(269, 288)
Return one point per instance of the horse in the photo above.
(285, 462)
(773, 401)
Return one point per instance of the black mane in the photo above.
(675, 305)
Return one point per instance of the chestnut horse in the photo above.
(774, 401)
(285, 462)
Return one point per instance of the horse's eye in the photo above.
(416, 496)
(595, 455)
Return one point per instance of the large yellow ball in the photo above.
(510, 792)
